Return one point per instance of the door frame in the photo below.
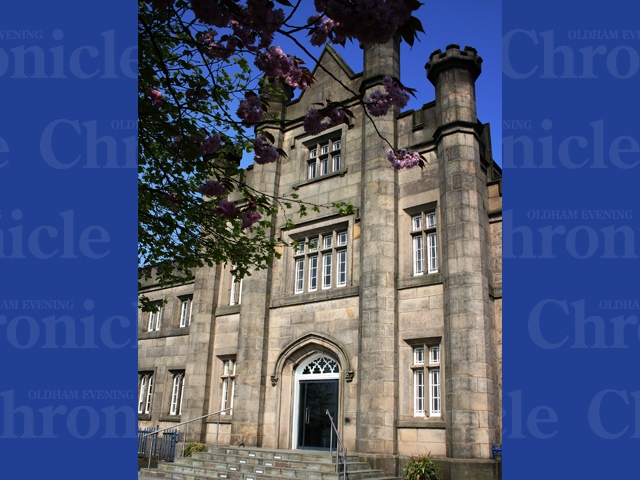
(297, 391)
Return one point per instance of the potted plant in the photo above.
(421, 467)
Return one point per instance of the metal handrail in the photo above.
(184, 438)
(344, 449)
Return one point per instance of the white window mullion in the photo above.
(147, 407)
(175, 391)
(184, 313)
(418, 385)
(181, 395)
(159, 318)
(326, 271)
(143, 393)
(313, 273)
(225, 392)
(418, 266)
(434, 393)
(342, 268)
(299, 275)
(234, 287)
(432, 252)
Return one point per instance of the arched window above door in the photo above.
(320, 366)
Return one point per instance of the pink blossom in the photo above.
(228, 209)
(403, 159)
(250, 217)
(250, 109)
(315, 20)
(263, 17)
(210, 12)
(294, 78)
(155, 96)
(379, 103)
(336, 116)
(212, 188)
(313, 123)
(210, 145)
(368, 21)
(265, 153)
(274, 62)
(397, 95)
(320, 35)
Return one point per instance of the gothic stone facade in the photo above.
(390, 318)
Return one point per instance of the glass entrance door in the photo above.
(314, 426)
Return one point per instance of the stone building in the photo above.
(389, 318)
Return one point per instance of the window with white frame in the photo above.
(424, 241)
(155, 319)
(321, 260)
(145, 389)
(228, 378)
(235, 298)
(324, 158)
(177, 391)
(186, 303)
(427, 392)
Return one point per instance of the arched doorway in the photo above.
(316, 391)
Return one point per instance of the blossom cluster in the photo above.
(253, 25)
(250, 109)
(226, 209)
(208, 46)
(213, 188)
(155, 96)
(324, 29)
(314, 124)
(403, 159)
(265, 153)
(210, 144)
(378, 103)
(230, 210)
(368, 21)
(250, 216)
(275, 63)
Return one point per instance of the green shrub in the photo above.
(421, 467)
(191, 447)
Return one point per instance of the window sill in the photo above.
(164, 332)
(227, 310)
(420, 280)
(319, 178)
(144, 416)
(319, 296)
(422, 422)
(170, 418)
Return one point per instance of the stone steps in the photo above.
(236, 463)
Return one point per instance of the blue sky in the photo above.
(464, 22)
